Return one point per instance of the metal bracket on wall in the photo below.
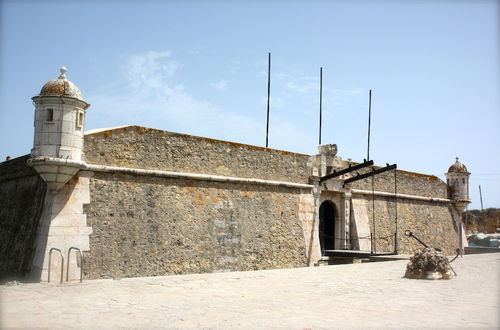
(346, 170)
(372, 173)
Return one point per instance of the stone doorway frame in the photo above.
(337, 200)
(328, 217)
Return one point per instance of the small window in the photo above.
(79, 119)
(49, 115)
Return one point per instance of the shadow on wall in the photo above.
(22, 195)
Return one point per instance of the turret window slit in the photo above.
(49, 115)
(79, 119)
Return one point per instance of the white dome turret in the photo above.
(458, 167)
(457, 179)
(61, 87)
(59, 126)
(59, 119)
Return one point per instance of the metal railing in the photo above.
(81, 263)
(68, 263)
(349, 243)
(62, 263)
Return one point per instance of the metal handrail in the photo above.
(62, 263)
(81, 264)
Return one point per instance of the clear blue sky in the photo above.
(199, 67)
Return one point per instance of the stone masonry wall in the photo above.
(146, 148)
(407, 183)
(63, 225)
(432, 222)
(145, 226)
(22, 194)
(308, 220)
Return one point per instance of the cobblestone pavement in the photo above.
(369, 295)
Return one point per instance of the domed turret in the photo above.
(458, 167)
(59, 119)
(457, 179)
(61, 87)
(59, 122)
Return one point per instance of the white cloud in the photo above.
(344, 97)
(304, 85)
(274, 102)
(310, 86)
(234, 67)
(220, 85)
(151, 71)
(148, 95)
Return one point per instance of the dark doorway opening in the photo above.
(327, 226)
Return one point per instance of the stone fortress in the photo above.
(142, 202)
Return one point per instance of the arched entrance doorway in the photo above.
(327, 226)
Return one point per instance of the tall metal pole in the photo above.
(482, 214)
(369, 123)
(374, 240)
(481, 198)
(268, 97)
(466, 217)
(396, 245)
(374, 246)
(320, 101)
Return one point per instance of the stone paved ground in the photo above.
(370, 295)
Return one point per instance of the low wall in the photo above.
(22, 193)
(145, 226)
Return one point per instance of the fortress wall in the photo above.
(22, 194)
(146, 148)
(407, 183)
(145, 226)
(431, 221)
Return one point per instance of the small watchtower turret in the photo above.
(457, 179)
(59, 120)
(57, 152)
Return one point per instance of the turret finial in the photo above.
(63, 72)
